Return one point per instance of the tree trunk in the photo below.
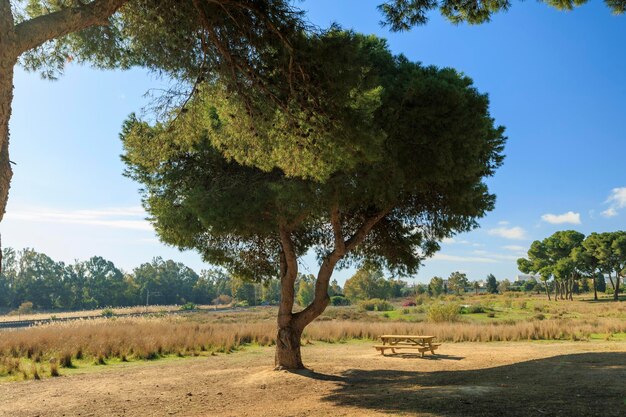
(8, 59)
(595, 289)
(616, 292)
(547, 290)
(288, 354)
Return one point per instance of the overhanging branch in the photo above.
(34, 32)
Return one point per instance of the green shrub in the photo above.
(339, 300)
(375, 304)
(107, 312)
(443, 312)
(491, 314)
(188, 307)
(472, 309)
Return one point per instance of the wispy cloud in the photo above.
(515, 233)
(132, 218)
(453, 241)
(616, 201)
(515, 248)
(569, 217)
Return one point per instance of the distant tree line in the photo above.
(33, 277)
(569, 258)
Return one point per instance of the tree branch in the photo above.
(321, 299)
(34, 32)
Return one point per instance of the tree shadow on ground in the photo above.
(587, 384)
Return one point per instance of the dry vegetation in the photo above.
(120, 311)
(43, 350)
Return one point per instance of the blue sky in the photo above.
(555, 80)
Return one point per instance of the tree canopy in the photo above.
(418, 181)
(567, 256)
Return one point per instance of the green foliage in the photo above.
(375, 304)
(230, 213)
(435, 287)
(96, 283)
(306, 290)
(472, 309)
(404, 14)
(339, 300)
(492, 284)
(443, 312)
(107, 312)
(457, 282)
(504, 286)
(188, 307)
(366, 284)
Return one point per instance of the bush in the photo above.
(491, 314)
(223, 299)
(443, 312)
(408, 303)
(339, 300)
(188, 307)
(107, 312)
(25, 308)
(375, 304)
(472, 309)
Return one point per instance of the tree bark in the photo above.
(8, 59)
(617, 283)
(288, 337)
(547, 290)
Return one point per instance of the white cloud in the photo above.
(616, 200)
(569, 217)
(515, 248)
(452, 241)
(515, 233)
(503, 223)
(610, 212)
(132, 218)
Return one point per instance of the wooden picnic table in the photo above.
(407, 341)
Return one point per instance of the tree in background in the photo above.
(243, 291)
(492, 284)
(553, 256)
(504, 286)
(389, 209)
(306, 290)
(334, 289)
(457, 282)
(270, 292)
(365, 284)
(435, 287)
(601, 282)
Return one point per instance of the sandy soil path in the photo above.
(465, 379)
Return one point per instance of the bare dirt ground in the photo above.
(465, 379)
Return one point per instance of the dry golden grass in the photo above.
(100, 340)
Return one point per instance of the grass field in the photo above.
(62, 348)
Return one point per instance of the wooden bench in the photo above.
(421, 343)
